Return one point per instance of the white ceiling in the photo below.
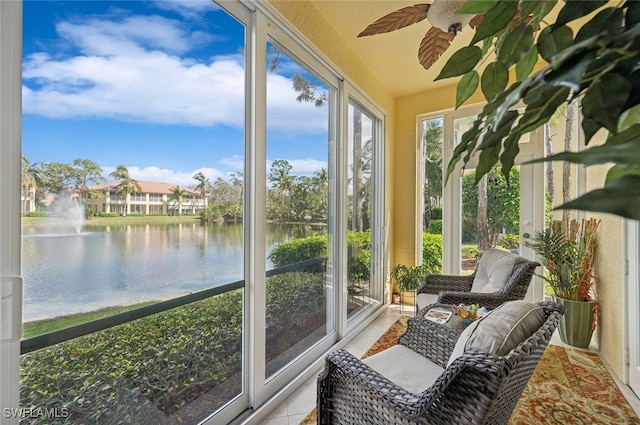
(392, 57)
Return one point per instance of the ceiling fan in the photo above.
(443, 18)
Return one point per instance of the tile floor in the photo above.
(296, 407)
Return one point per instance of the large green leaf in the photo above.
(590, 128)
(622, 154)
(496, 19)
(607, 21)
(542, 102)
(498, 131)
(511, 149)
(574, 9)
(621, 197)
(494, 80)
(516, 44)
(461, 62)
(632, 16)
(536, 9)
(488, 157)
(571, 74)
(551, 42)
(466, 87)
(476, 7)
(617, 172)
(526, 64)
(605, 99)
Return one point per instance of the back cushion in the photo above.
(501, 330)
(493, 271)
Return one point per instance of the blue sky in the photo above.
(155, 85)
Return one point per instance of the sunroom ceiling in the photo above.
(391, 57)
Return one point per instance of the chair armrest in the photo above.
(430, 339)
(490, 300)
(434, 284)
(348, 387)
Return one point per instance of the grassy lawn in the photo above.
(39, 327)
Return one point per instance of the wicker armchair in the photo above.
(474, 387)
(500, 276)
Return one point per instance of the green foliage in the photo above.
(432, 253)
(599, 66)
(359, 266)
(292, 297)
(298, 249)
(435, 226)
(113, 375)
(503, 204)
(509, 241)
(37, 214)
(436, 213)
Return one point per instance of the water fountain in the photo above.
(68, 216)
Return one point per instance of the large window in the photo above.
(199, 221)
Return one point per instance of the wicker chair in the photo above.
(500, 276)
(474, 387)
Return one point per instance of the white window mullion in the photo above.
(256, 172)
(10, 157)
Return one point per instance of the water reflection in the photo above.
(124, 264)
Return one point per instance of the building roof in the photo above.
(147, 186)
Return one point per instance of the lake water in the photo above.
(64, 272)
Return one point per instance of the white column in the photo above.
(10, 158)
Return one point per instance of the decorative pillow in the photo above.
(501, 330)
(494, 269)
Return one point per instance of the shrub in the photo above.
(435, 227)
(436, 213)
(299, 249)
(37, 214)
(432, 253)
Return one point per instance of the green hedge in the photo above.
(163, 361)
(432, 253)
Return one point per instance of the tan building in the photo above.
(154, 198)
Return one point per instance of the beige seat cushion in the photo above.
(405, 368)
(501, 330)
(423, 300)
(493, 271)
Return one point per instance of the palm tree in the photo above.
(30, 180)
(432, 140)
(175, 196)
(203, 186)
(282, 181)
(126, 185)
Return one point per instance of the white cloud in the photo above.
(236, 162)
(136, 69)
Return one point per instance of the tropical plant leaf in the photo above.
(496, 19)
(604, 101)
(607, 21)
(622, 154)
(494, 79)
(618, 171)
(542, 102)
(621, 197)
(516, 44)
(476, 6)
(399, 19)
(590, 128)
(466, 87)
(571, 73)
(551, 41)
(433, 45)
(461, 62)
(525, 65)
(573, 10)
(509, 153)
(487, 158)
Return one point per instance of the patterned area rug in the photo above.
(569, 386)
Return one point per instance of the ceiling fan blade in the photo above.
(434, 44)
(399, 19)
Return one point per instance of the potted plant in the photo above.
(568, 254)
(408, 279)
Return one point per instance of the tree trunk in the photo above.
(551, 187)
(566, 166)
(484, 238)
(358, 200)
